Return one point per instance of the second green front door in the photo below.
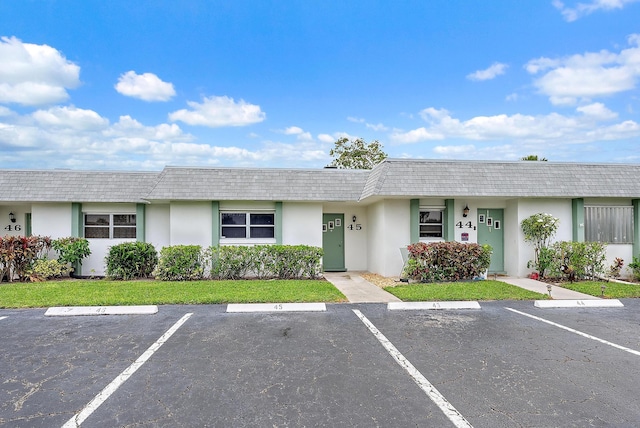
(333, 242)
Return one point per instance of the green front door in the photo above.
(333, 242)
(490, 231)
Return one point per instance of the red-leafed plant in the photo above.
(446, 261)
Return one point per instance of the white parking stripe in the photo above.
(431, 391)
(588, 336)
(1, 318)
(79, 418)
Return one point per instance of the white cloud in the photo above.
(34, 74)
(569, 80)
(70, 118)
(219, 111)
(495, 70)
(146, 86)
(326, 138)
(293, 130)
(584, 126)
(571, 14)
(378, 127)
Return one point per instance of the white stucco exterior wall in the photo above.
(390, 229)
(560, 208)
(190, 223)
(157, 225)
(302, 224)
(52, 220)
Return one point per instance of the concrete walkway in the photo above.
(357, 289)
(557, 293)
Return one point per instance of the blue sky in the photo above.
(87, 84)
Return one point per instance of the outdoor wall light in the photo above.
(465, 210)
(12, 217)
(354, 219)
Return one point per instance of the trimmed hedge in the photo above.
(180, 263)
(266, 261)
(131, 260)
(446, 261)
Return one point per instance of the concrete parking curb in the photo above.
(71, 311)
(601, 303)
(410, 306)
(276, 307)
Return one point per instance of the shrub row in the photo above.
(574, 260)
(446, 261)
(191, 262)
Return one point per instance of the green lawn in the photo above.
(473, 290)
(109, 293)
(613, 290)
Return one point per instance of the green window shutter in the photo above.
(577, 219)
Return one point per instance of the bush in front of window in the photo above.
(180, 263)
(635, 268)
(131, 260)
(577, 260)
(446, 261)
(266, 261)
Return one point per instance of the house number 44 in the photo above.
(468, 225)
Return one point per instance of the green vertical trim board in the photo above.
(636, 227)
(27, 224)
(414, 228)
(278, 225)
(141, 209)
(76, 220)
(577, 219)
(215, 223)
(448, 220)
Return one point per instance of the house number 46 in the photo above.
(13, 227)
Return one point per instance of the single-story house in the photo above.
(361, 218)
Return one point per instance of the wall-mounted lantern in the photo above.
(465, 210)
(354, 219)
(12, 217)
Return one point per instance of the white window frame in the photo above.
(111, 225)
(247, 226)
(608, 224)
(425, 209)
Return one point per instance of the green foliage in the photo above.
(578, 260)
(180, 263)
(71, 250)
(43, 269)
(635, 268)
(356, 154)
(539, 229)
(616, 267)
(17, 253)
(131, 260)
(446, 261)
(266, 261)
(533, 158)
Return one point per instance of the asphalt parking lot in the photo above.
(492, 367)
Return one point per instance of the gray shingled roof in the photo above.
(74, 186)
(260, 184)
(401, 178)
(423, 178)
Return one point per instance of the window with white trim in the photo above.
(247, 225)
(110, 226)
(610, 225)
(431, 225)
